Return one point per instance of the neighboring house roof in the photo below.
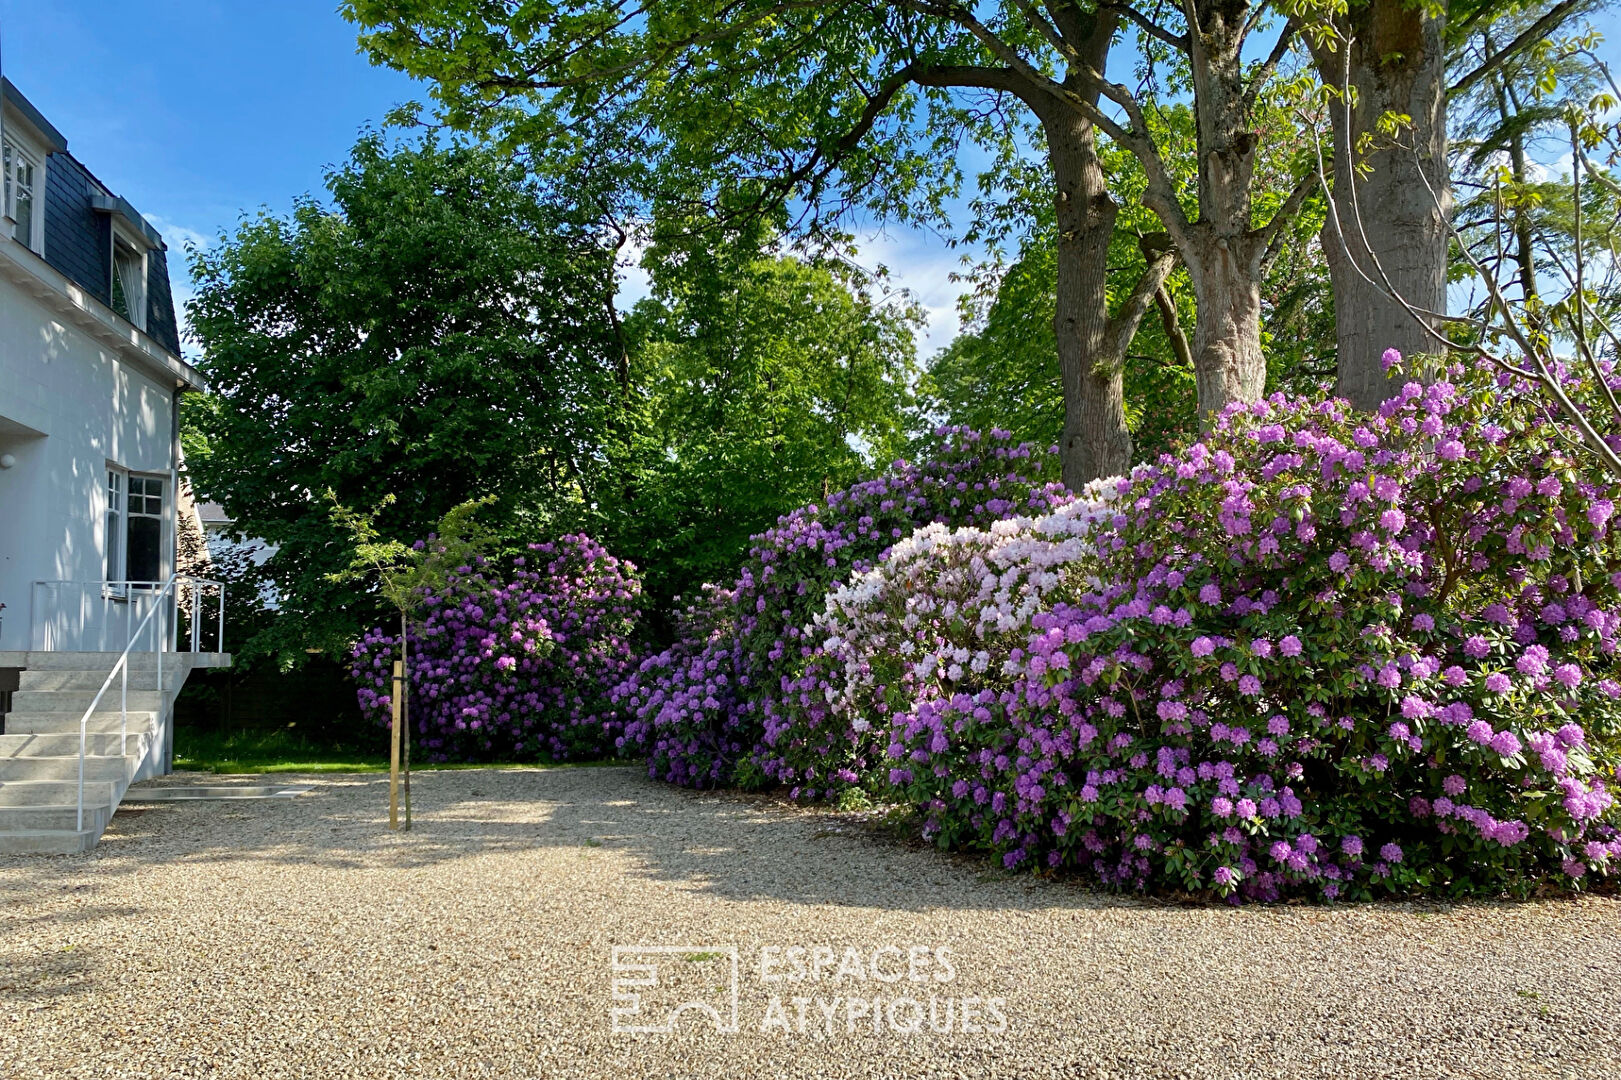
(78, 229)
(212, 513)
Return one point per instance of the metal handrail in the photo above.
(129, 590)
(159, 639)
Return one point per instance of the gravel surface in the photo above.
(302, 939)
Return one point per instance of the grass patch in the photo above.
(272, 751)
(282, 750)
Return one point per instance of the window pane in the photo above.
(23, 206)
(115, 524)
(24, 214)
(145, 548)
(112, 545)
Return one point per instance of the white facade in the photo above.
(88, 444)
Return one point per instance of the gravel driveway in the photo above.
(302, 939)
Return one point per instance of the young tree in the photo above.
(405, 575)
(434, 331)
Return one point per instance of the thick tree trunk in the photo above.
(1220, 249)
(1394, 230)
(1227, 360)
(1095, 441)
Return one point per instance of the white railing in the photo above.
(102, 616)
(160, 640)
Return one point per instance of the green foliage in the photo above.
(434, 330)
(761, 380)
(405, 572)
(756, 104)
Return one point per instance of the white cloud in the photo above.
(179, 236)
(921, 263)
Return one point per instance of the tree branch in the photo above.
(1270, 236)
(1535, 32)
(1280, 49)
(1156, 248)
(1152, 28)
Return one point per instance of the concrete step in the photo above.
(54, 816)
(99, 767)
(91, 679)
(66, 744)
(63, 841)
(61, 723)
(40, 790)
(51, 660)
(34, 793)
(77, 701)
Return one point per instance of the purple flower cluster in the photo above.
(514, 663)
(1312, 636)
(700, 710)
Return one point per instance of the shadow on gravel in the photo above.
(737, 848)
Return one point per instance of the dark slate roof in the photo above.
(79, 231)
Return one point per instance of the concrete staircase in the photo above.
(39, 749)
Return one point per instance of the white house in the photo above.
(90, 380)
(90, 377)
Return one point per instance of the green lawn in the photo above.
(282, 750)
(272, 751)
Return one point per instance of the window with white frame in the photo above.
(23, 192)
(129, 279)
(135, 516)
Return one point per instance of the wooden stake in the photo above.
(396, 699)
(405, 735)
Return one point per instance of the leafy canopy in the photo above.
(434, 331)
(760, 380)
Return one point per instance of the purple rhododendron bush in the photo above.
(513, 661)
(1319, 653)
(942, 607)
(701, 709)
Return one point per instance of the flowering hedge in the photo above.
(515, 663)
(942, 606)
(1317, 653)
(699, 710)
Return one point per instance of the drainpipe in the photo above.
(6, 222)
(167, 758)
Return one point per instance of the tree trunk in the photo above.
(1395, 228)
(1220, 249)
(1227, 360)
(1095, 442)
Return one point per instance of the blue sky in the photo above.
(199, 111)
(196, 111)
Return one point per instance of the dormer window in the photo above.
(22, 202)
(129, 279)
